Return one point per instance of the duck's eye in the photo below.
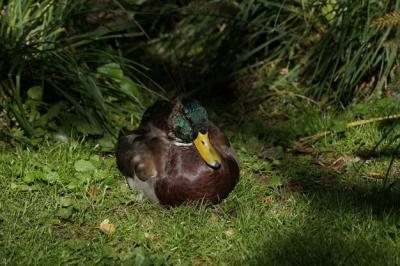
(171, 135)
(203, 130)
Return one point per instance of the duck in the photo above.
(177, 155)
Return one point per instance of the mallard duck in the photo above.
(177, 155)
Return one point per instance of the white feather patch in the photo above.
(146, 187)
(181, 144)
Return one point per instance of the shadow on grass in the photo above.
(348, 221)
(314, 244)
(332, 183)
(341, 228)
(368, 154)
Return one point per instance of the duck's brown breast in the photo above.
(187, 178)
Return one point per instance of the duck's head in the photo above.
(188, 123)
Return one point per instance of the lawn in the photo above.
(306, 91)
(322, 204)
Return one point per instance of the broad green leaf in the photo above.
(64, 213)
(84, 177)
(51, 177)
(99, 175)
(129, 87)
(35, 93)
(95, 160)
(65, 202)
(30, 177)
(113, 70)
(274, 182)
(107, 143)
(74, 184)
(84, 166)
(339, 126)
(110, 182)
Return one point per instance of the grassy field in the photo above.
(89, 68)
(321, 204)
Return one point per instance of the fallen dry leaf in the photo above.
(107, 227)
(229, 232)
(198, 262)
(214, 217)
(375, 175)
(320, 163)
(337, 164)
(93, 191)
(116, 118)
(303, 149)
(267, 200)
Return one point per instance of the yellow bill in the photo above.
(206, 150)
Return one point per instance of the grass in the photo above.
(58, 65)
(208, 44)
(312, 207)
(329, 202)
(88, 64)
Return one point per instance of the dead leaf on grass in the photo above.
(267, 200)
(214, 217)
(375, 175)
(337, 164)
(107, 227)
(198, 262)
(229, 232)
(303, 149)
(93, 191)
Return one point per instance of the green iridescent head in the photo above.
(189, 123)
(188, 120)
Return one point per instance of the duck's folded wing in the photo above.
(135, 157)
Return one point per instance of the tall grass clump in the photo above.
(71, 62)
(59, 68)
(331, 47)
